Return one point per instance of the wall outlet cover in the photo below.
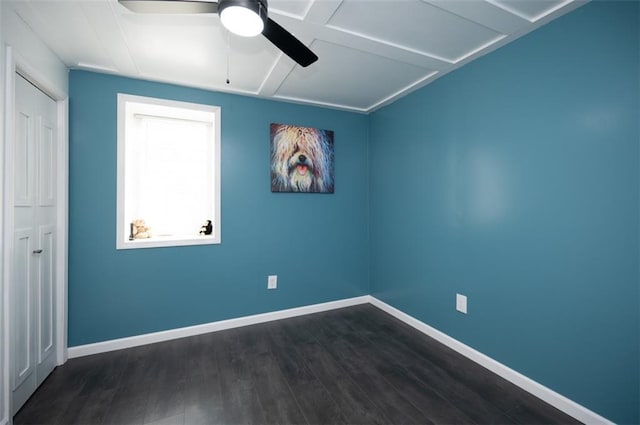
(272, 282)
(461, 303)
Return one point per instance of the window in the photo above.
(168, 173)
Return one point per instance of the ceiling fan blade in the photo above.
(290, 45)
(170, 6)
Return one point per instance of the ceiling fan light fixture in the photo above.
(243, 17)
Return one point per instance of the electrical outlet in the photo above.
(461, 303)
(272, 282)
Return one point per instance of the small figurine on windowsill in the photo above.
(139, 230)
(206, 228)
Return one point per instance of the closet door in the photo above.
(32, 283)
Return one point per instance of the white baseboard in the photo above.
(134, 341)
(559, 401)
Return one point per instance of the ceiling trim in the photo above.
(325, 104)
(531, 19)
(411, 87)
(390, 44)
(481, 48)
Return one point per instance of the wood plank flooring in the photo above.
(356, 365)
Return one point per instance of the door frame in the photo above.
(17, 64)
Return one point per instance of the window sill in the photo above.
(167, 241)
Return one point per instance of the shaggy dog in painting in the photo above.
(301, 159)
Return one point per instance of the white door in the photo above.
(32, 287)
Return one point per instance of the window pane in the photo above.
(175, 175)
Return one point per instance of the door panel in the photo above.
(23, 174)
(33, 277)
(46, 301)
(46, 164)
(22, 306)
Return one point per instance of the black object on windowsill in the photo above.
(206, 228)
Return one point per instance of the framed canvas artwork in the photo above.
(302, 159)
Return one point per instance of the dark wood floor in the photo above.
(351, 366)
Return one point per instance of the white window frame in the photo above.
(122, 240)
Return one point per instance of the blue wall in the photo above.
(515, 181)
(317, 244)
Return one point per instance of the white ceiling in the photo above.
(371, 51)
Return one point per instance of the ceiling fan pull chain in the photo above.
(228, 56)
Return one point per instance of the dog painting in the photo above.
(301, 159)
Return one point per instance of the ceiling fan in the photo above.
(247, 18)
